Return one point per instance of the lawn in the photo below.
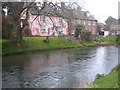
(38, 44)
(108, 81)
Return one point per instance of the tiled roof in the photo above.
(115, 22)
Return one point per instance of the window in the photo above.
(61, 29)
(84, 22)
(93, 23)
(93, 31)
(73, 21)
(78, 21)
(42, 28)
(86, 28)
(118, 26)
(42, 18)
(89, 22)
(60, 20)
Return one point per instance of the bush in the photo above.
(11, 28)
(8, 28)
(86, 36)
(98, 76)
(118, 39)
(78, 30)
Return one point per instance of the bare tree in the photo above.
(109, 21)
(15, 10)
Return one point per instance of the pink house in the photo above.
(46, 25)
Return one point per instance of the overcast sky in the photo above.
(102, 9)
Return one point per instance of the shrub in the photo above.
(118, 39)
(78, 30)
(8, 28)
(11, 28)
(98, 76)
(86, 35)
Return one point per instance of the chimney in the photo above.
(79, 8)
(45, 2)
(62, 5)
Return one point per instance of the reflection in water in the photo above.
(58, 69)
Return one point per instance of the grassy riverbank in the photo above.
(31, 44)
(110, 39)
(108, 81)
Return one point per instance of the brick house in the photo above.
(88, 21)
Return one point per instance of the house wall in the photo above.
(87, 26)
(91, 27)
(114, 29)
(35, 25)
(106, 33)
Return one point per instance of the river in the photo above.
(71, 68)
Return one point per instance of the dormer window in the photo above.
(60, 20)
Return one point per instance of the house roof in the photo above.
(101, 24)
(49, 9)
(78, 14)
(55, 10)
(115, 23)
(119, 21)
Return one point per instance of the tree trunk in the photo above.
(46, 40)
(19, 37)
(69, 27)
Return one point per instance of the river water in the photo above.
(70, 68)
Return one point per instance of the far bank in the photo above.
(37, 44)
